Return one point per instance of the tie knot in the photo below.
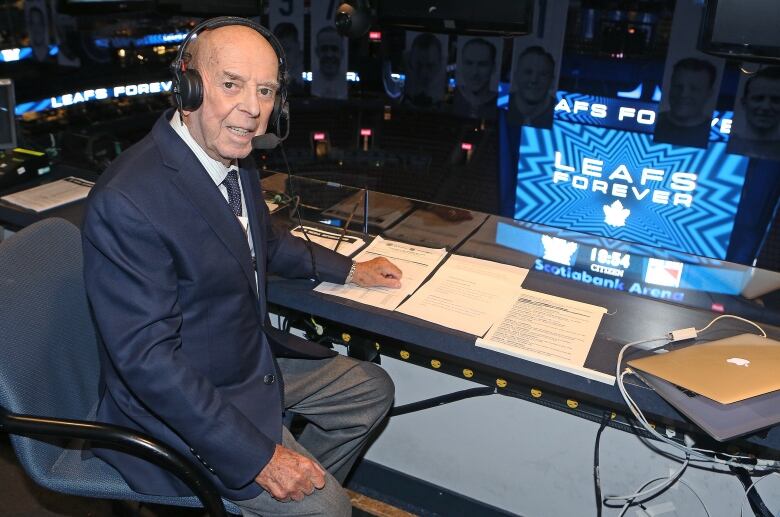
(233, 191)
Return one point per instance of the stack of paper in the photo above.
(549, 330)
(466, 294)
(51, 195)
(416, 263)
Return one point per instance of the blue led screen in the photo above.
(621, 185)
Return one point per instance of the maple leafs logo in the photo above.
(615, 215)
(558, 250)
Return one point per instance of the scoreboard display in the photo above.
(622, 185)
(623, 266)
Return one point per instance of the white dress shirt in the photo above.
(217, 171)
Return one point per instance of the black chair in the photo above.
(49, 371)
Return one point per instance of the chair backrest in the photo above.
(48, 350)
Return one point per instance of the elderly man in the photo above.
(177, 248)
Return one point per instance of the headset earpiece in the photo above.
(190, 90)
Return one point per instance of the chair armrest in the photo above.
(138, 444)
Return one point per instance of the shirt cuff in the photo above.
(351, 273)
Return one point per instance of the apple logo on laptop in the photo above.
(739, 361)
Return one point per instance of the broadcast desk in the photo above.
(638, 292)
(636, 307)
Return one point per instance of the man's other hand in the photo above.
(378, 272)
(290, 475)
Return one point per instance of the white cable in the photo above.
(688, 449)
(683, 482)
(698, 454)
(732, 317)
(653, 490)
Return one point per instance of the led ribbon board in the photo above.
(621, 185)
(631, 115)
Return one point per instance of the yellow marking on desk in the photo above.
(345, 337)
(435, 363)
(468, 373)
(28, 151)
(501, 383)
(613, 415)
(536, 393)
(376, 345)
(572, 403)
(405, 355)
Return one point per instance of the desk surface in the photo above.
(637, 309)
(16, 218)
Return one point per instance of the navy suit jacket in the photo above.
(185, 353)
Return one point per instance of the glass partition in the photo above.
(595, 262)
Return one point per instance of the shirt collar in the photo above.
(215, 169)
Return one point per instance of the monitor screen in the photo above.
(7, 115)
(757, 25)
(738, 30)
(620, 184)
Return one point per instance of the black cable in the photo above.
(753, 497)
(297, 212)
(596, 475)
(441, 400)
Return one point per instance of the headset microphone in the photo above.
(266, 141)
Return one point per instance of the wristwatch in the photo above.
(351, 272)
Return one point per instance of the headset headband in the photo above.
(224, 21)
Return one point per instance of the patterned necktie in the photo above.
(233, 190)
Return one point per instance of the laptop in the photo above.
(721, 421)
(726, 370)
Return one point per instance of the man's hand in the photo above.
(378, 272)
(290, 475)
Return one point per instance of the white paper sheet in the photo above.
(51, 195)
(549, 330)
(349, 243)
(416, 263)
(466, 294)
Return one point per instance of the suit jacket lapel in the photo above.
(252, 196)
(193, 180)
(200, 189)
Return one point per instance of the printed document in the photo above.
(549, 330)
(349, 244)
(51, 195)
(416, 263)
(466, 294)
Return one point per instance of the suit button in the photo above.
(269, 378)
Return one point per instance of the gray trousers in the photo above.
(344, 400)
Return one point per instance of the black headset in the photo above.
(188, 85)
